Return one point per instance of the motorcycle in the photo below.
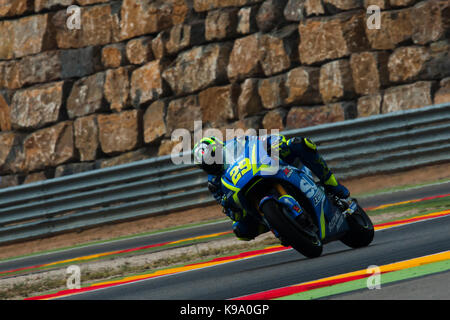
(289, 202)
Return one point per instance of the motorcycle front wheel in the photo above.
(307, 243)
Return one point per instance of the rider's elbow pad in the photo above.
(299, 145)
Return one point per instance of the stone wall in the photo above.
(113, 91)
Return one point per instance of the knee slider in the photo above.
(244, 231)
(309, 144)
(241, 235)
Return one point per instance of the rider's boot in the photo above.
(307, 151)
(335, 188)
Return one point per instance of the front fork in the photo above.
(286, 200)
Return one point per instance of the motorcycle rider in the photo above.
(290, 151)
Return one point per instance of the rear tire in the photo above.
(307, 244)
(361, 231)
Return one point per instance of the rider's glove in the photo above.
(224, 201)
(231, 209)
(212, 188)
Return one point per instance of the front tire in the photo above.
(306, 243)
(361, 231)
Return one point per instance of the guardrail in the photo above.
(382, 143)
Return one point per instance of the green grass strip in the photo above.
(362, 283)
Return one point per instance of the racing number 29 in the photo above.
(238, 171)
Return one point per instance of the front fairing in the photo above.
(247, 158)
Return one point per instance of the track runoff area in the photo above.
(320, 288)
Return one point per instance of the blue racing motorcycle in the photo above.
(288, 200)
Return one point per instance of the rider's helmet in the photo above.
(208, 155)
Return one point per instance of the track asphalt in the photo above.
(285, 268)
(201, 230)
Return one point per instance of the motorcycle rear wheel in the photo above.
(305, 243)
(361, 231)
